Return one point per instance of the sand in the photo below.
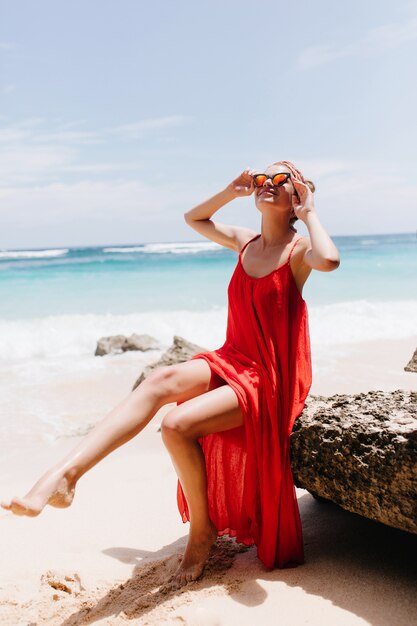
(104, 559)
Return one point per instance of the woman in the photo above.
(228, 436)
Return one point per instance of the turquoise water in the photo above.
(59, 301)
(191, 276)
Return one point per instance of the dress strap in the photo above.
(256, 236)
(295, 243)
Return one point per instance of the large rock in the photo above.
(360, 451)
(115, 344)
(181, 350)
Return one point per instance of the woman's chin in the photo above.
(266, 197)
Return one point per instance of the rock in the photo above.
(120, 343)
(360, 452)
(141, 342)
(181, 350)
(412, 363)
(107, 345)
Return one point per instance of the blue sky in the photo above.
(116, 117)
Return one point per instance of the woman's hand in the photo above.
(243, 184)
(306, 203)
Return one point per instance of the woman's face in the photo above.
(275, 196)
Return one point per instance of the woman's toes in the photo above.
(180, 580)
(21, 508)
(14, 507)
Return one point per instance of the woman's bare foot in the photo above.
(194, 559)
(55, 488)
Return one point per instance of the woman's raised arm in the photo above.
(226, 235)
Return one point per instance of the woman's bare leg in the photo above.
(166, 384)
(181, 427)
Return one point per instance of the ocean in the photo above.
(55, 303)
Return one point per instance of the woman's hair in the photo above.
(296, 173)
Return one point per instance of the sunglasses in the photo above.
(277, 180)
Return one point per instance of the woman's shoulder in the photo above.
(303, 244)
(300, 267)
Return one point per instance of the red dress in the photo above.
(266, 360)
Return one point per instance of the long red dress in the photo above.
(266, 360)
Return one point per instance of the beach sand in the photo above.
(103, 559)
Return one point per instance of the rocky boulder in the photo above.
(181, 350)
(360, 452)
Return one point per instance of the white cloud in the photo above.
(91, 202)
(321, 168)
(23, 164)
(31, 152)
(137, 129)
(104, 167)
(353, 197)
(29, 130)
(376, 41)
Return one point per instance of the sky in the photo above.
(117, 117)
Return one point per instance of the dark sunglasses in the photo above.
(277, 179)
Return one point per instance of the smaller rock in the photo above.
(181, 350)
(108, 345)
(116, 344)
(412, 363)
(141, 342)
